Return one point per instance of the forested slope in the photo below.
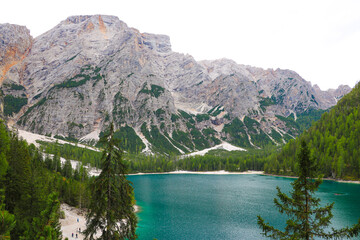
(334, 142)
(31, 189)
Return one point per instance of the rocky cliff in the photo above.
(88, 71)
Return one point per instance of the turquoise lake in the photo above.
(194, 206)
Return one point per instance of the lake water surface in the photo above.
(194, 206)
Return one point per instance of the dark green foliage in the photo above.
(72, 58)
(227, 116)
(261, 139)
(71, 83)
(121, 109)
(187, 116)
(211, 110)
(68, 138)
(160, 114)
(7, 220)
(307, 219)
(176, 144)
(37, 96)
(18, 177)
(307, 118)
(68, 151)
(293, 127)
(190, 126)
(14, 86)
(276, 136)
(72, 125)
(210, 133)
(287, 137)
(303, 121)
(67, 169)
(212, 161)
(265, 102)
(251, 125)
(216, 110)
(158, 140)
(334, 141)
(13, 104)
(183, 138)
(4, 148)
(29, 183)
(174, 117)
(223, 160)
(154, 91)
(92, 73)
(47, 226)
(129, 140)
(111, 210)
(202, 117)
(150, 163)
(24, 188)
(278, 99)
(237, 133)
(199, 139)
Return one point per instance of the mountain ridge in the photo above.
(91, 70)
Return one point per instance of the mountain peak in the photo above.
(91, 70)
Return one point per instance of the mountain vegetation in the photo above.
(135, 80)
(334, 142)
(32, 187)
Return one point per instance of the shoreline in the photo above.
(220, 172)
(223, 172)
(75, 219)
(326, 179)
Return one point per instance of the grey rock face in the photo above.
(91, 70)
(15, 43)
(1, 106)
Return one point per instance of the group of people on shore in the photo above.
(78, 230)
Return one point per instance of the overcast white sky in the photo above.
(319, 39)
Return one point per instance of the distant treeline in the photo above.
(213, 161)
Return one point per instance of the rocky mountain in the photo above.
(15, 44)
(88, 71)
(334, 143)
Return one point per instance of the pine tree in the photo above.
(67, 169)
(7, 220)
(18, 185)
(4, 148)
(306, 218)
(47, 226)
(111, 212)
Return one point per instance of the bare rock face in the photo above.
(331, 96)
(91, 70)
(15, 43)
(1, 105)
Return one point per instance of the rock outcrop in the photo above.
(15, 44)
(89, 71)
